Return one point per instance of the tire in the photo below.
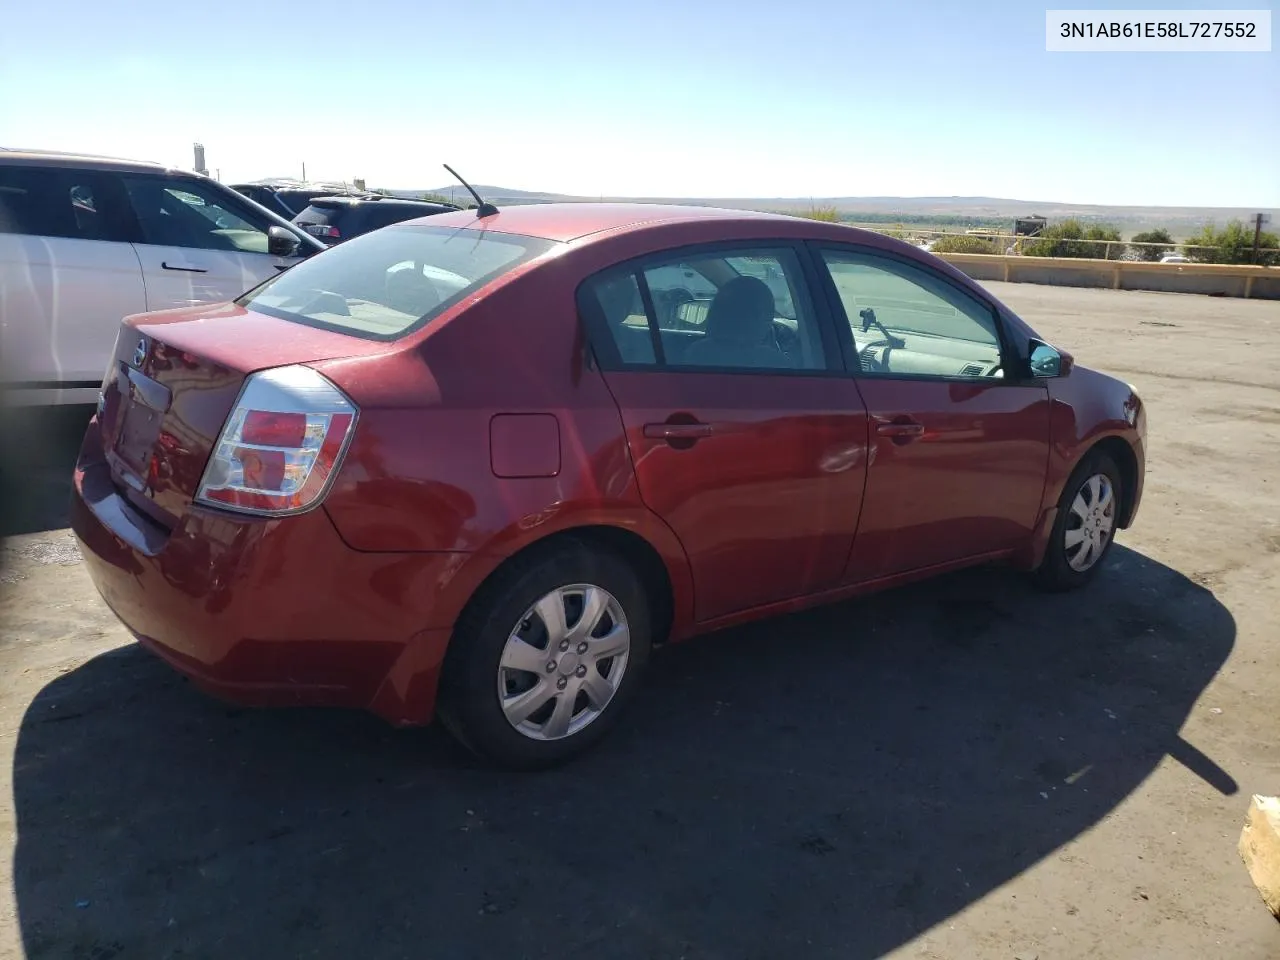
(514, 607)
(1063, 567)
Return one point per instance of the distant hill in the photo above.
(1182, 221)
(497, 195)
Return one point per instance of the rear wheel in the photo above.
(1085, 527)
(542, 663)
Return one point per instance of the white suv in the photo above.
(86, 241)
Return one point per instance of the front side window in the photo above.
(383, 284)
(906, 321)
(187, 213)
(734, 310)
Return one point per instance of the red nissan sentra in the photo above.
(478, 465)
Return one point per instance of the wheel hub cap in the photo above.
(568, 664)
(1090, 522)
(563, 662)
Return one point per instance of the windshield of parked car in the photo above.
(382, 284)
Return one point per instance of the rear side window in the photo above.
(736, 310)
(383, 215)
(73, 204)
(271, 199)
(294, 201)
(382, 285)
(617, 297)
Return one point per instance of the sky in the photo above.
(693, 98)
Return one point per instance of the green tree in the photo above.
(1072, 239)
(435, 198)
(1232, 244)
(1160, 235)
(960, 243)
(827, 214)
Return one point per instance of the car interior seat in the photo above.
(739, 329)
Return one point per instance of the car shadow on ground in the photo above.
(832, 783)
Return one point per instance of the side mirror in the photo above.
(282, 242)
(1045, 361)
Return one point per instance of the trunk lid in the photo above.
(173, 380)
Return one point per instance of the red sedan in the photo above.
(479, 465)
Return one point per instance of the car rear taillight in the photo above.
(322, 230)
(281, 445)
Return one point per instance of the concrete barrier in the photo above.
(1220, 279)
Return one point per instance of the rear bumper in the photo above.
(268, 612)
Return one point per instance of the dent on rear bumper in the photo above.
(270, 611)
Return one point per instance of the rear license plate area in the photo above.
(139, 431)
(142, 405)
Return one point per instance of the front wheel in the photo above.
(1085, 528)
(543, 662)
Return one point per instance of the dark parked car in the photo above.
(288, 198)
(334, 219)
(480, 466)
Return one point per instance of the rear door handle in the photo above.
(182, 269)
(678, 431)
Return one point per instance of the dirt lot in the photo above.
(963, 769)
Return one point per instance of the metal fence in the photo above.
(1015, 244)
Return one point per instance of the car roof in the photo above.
(287, 183)
(572, 221)
(81, 161)
(355, 199)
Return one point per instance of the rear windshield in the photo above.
(383, 284)
(314, 214)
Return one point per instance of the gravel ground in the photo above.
(959, 769)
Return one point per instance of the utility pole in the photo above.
(1258, 220)
(304, 171)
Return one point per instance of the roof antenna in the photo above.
(483, 207)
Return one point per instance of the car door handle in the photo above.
(181, 269)
(900, 430)
(678, 431)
